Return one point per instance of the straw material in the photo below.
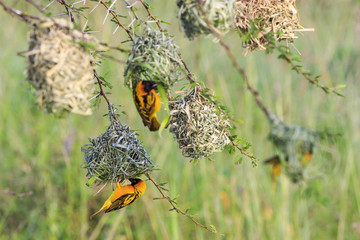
(59, 68)
(266, 19)
(198, 127)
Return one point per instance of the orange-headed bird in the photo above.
(123, 196)
(147, 103)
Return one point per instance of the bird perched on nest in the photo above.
(147, 103)
(276, 163)
(123, 196)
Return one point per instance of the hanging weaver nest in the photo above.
(153, 58)
(260, 21)
(294, 143)
(59, 68)
(197, 125)
(115, 155)
(218, 12)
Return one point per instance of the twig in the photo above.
(177, 209)
(188, 74)
(23, 16)
(20, 195)
(101, 92)
(242, 151)
(150, 15)
(36, 5)
(242, 72)
(62, 2)
(288, 59)
(117, 20)
(307, 76)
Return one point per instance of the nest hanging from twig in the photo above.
(198, 127)
(153, 58)
(218, 12)
(293, 142)
(261, 21)
(116, 155)
(59, 68)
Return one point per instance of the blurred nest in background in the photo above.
(294, 143)
(115, 155)
(59, 68)
(260, 21)
(153, 58)
(218, 12)
(199, 128)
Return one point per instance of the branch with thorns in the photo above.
(174, 208)
(117, 19)
(20, 195)
(68, 9)
(306, 75)
(231, 56)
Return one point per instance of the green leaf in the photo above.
(90, 181)
(164, 99)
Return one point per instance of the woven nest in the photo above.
(293, 142)
(198, 127)
(59, 68)
(115, 155)
(262, 20)
(218, 12)
(153, 58)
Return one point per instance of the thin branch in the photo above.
(68, 9)
(307, 76)
(20, 195)
(242, 151)
(177, 209)
(117, 20)
(150, 15)
(242, 72)
(188, 74)
(101, 92)
(23, 16)
(36, 5)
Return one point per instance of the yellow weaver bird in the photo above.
(276, 164)
(147, 103)
(123, 196)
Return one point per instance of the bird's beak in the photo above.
(133, 181)
(154, 85)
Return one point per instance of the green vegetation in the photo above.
(41, 153)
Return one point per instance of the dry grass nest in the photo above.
(218, 12)
(262, 20)
(154, 58)
(115, 155)
(59, 67)
(198, 127)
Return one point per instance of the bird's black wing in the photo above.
(123, 201)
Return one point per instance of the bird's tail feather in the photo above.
(155, 124)
(98, 212)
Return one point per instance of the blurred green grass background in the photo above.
(40, 153)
